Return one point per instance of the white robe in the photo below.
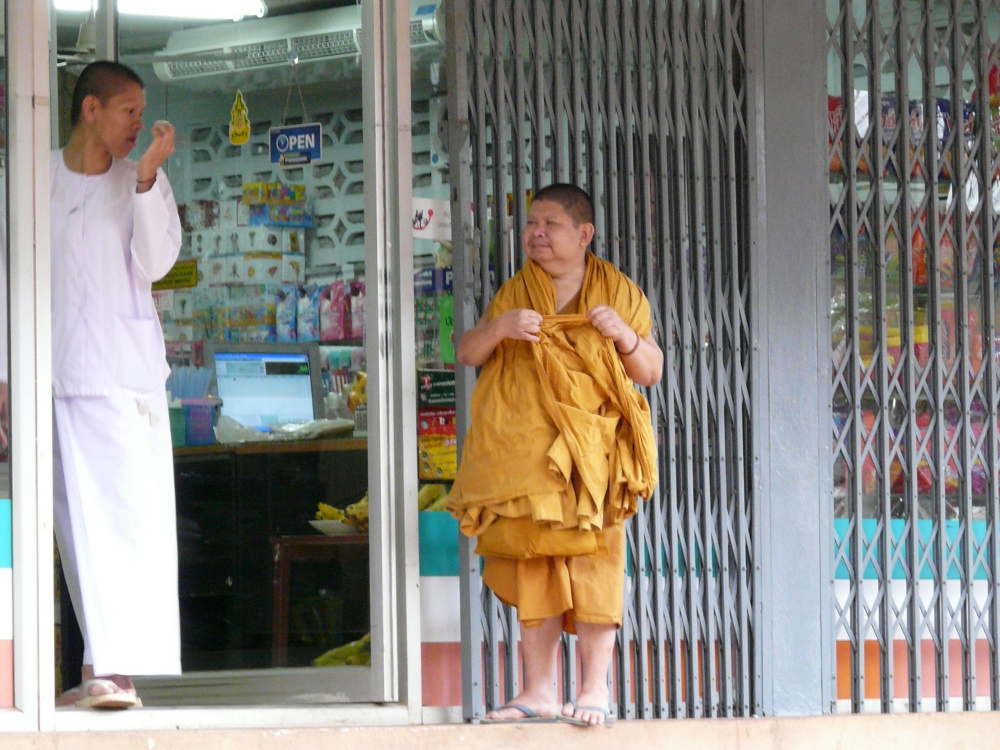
(114, 490)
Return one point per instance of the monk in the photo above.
(560, 450)
(115, 230)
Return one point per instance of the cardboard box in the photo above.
(263, 239)
(263, 192)
(293, 269)
(293, 240)
(262, 268)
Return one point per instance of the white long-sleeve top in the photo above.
(109, 244)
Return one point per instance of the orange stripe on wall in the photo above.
(6, 674)
(442, 673)
(901, 670)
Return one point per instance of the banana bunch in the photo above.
(357, 653)
(432, 497)
(359, 391)
(329, 513)
(357, 514)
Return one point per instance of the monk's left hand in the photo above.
(610, 325)
(158, 151)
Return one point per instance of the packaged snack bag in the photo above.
(331, 313)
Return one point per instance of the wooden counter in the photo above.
(232, 500)
(322, 445)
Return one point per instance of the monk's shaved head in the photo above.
(575, 201)
(102, 79)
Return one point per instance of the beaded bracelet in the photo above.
(638, 340)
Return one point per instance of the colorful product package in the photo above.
(308, 313)
(285, 308)
(332, 312)
(437, 443)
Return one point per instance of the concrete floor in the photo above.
(958, 731)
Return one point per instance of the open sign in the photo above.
(292, 145)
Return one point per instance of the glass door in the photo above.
(265, 330)
(6, 520)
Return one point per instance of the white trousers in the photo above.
(115, 523)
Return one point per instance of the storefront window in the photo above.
(907, 299)
(914, 196)
(264, 326)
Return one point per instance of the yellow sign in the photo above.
(183, 275)
(239, 122)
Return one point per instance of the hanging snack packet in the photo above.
(357, 309)
(331, 313)
(308, 313)
(285, 305)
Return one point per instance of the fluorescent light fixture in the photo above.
(201, 9)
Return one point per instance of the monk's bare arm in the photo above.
(478, 343)
(642, 357)
(645, 364)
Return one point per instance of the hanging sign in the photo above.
(292, 145)
(431, 219)
(239, 121)
(183, 275)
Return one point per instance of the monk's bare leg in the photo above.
(596, 644)
(540, 650)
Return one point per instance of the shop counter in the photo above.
(274, 446)
(232, 501)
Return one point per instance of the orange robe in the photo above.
(559, 452)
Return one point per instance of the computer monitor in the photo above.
(267, 384)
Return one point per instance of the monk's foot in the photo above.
(591, 710)
(523, 708)
(71, 696)
(122, 681)
(109, 691)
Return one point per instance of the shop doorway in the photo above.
(270, 180)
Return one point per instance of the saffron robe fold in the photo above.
(560, 441)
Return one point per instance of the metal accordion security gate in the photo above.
(644, 104)
(914, 252)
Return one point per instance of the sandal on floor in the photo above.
(609, 718)
(530, 716)
(112, 701)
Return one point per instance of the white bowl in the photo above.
(331, 528)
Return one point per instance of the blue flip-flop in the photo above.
(609, 718)
(530, 716)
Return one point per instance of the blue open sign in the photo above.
(292, 145)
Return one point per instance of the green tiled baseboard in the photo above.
(6, 554)
(438, 543)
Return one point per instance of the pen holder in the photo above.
(199, 419)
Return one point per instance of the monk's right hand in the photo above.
(161, 147)
(520, 324)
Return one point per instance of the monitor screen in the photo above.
(266, 384)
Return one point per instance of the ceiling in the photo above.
(142, 34)
(140, 37)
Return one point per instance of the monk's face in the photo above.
(554, 240)
(116, 123)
